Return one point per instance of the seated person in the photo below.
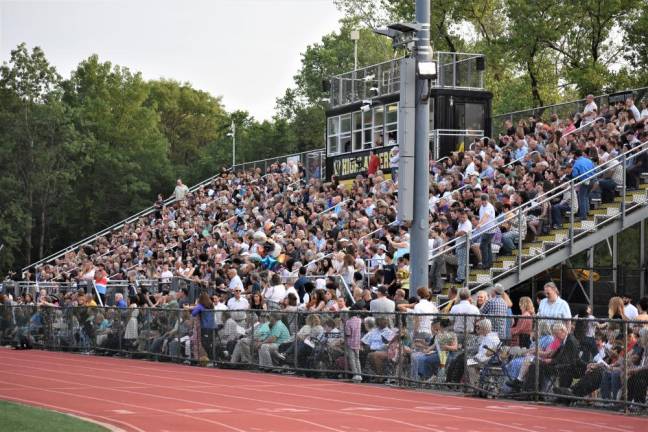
(564, 362)
(441, 350)
(376, 341)
(269, 346)
(488, 341)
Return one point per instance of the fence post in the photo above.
(519, 257)
(401, 338)
(295, 341)
(624, 188)
(467, 275)
(536, 360)
(465, 345)
(571, 216)
(625, 366)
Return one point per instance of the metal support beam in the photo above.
(643, 264)
(615, 262)
(590, 263)
(419, 232)
(580, 244)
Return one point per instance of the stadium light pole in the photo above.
(233, 135)
(419, 232)
(355, 36)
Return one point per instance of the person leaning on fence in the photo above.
(353, 334)
(204, 309)
(464, 314)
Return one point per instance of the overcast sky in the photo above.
(246, 51)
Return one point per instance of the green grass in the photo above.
(15, 417)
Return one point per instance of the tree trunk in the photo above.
(41, 247)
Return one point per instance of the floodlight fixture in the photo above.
(426, 70)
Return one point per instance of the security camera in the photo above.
(365, 108)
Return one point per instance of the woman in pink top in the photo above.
(521, 331)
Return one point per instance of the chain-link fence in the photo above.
(564, 110)
(312, 161)
(600, 363)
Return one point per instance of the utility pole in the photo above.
(355, 36)
(419, 231)
(416, 72)
(233, 135)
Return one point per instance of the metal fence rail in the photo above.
(563, 110)
(593, 362)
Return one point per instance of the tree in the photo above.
(40, 154)
(190, 120)
(129, 156)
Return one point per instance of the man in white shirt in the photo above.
(275, 293)
(486, 224)
(464, 228)
(180, 190)
(630, 106)
(629, 309)
(239, 304)
(219, 307)
(553, 306)
(464, 307)
(382, 305)
(166, 275)
(235, 280)
(488, 342)
(644, 109)
(589, 113)
(378, 260)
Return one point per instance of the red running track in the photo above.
(134, 395)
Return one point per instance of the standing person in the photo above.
(238, 305)
(205, 309)
(590, 110)
(374, 163)
(353, 334)
(552, 306)
(180, 191)
(464, 228)
(424, 311)
(393, 163)
(496, 308)
(464, 308)
(101, 283)
(521, 331)
(434, 274)
(486, 223)
(582, 172)
(630, 310)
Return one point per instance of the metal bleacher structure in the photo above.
(604, 221)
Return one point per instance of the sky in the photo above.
(246, 51)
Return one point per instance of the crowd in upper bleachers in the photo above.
(257, 223)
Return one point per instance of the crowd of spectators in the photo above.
(477, 341)
(279, 242)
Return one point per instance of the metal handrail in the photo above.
(519, 159)
(545, 107)
(567, 186)
(547, 196)
(334, 206)
(583, 126)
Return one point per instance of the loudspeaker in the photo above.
(481, 63)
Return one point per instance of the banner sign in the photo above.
(349, 165)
